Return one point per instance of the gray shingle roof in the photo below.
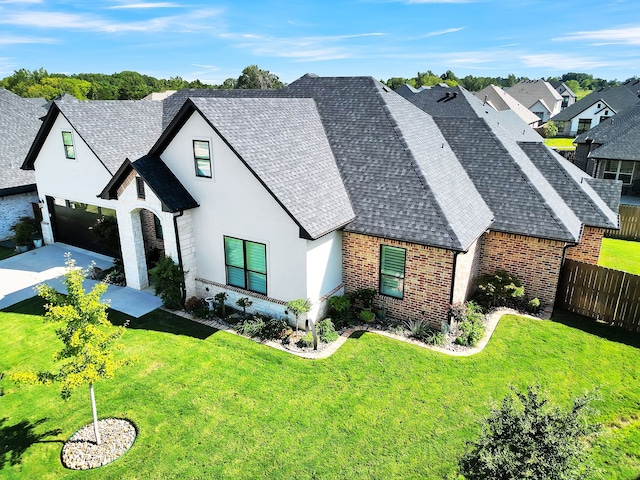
(502, 101)
(528, 92)
(618, 137)
(173, 195)
(618, 98)
(115, 129)
(283, 142)
(19, 124)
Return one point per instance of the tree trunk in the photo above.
(95, 414)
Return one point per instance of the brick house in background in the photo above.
(326, 186)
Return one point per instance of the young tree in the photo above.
(528, 438)
(88, 337)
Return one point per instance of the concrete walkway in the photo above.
(21, 273)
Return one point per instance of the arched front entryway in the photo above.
(152, 237)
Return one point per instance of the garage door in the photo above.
(86, 226)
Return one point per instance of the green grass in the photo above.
(213, 405)
(560, 143)
(620, 255)
(6, 252)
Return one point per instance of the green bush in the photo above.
(533, 306)
(326, 331)
(366, 296)
(419, 330)
(471, 323)
(340, 310)
(499, 289)
(307, 340)
(526, 437)
(25, 231)
(367, 316)
(263, 327)
(168, 281)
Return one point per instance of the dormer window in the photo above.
(69, 150)
(202, 158)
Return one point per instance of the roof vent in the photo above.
(385, 88)
(448, 94)
(455, 94)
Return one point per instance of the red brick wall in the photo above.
(588, 250)
(536, 262)
(428, 273)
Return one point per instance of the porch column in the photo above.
(132, 245)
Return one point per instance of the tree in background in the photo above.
(256, 78)
(88, 354)
(526, 437)
(550, 129)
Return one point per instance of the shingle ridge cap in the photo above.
(532, 185)
(407, 149)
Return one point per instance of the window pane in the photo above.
(66, 138)
(626, 179)
(392, 261)
(201, 149)
(69, 152)
(233, 252)
(626, 167)
(256, 257)
(203, 168)
(611, 166)
(235, 276)
(257, 282)
(391, 286)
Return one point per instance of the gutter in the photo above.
(453, 279)
(175, 229)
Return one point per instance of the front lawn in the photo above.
(620, 255)
(560, 143)
(6, 252)
(209, 404)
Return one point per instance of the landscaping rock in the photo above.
(81, 452)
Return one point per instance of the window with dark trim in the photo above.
(246, 264)
(392, 267)
(584, 124)
(202, 158)
(158, 224)
(619, 170)
(140, 188)
(69, 150)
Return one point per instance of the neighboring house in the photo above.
(538, 96)
(596, 107)
(612, 150)
(19, 123)
(568, 97)
(501, 101)
(325, 186)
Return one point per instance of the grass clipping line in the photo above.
(81, 452)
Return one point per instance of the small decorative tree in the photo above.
(221, 298)
(88, 337)
(244, 303)
(298, 307)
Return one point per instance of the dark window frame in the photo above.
(246, 271)
(69, 154)
(381, 274)
(197, 158)
(582, 122)
(140, 188)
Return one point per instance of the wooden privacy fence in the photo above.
(601, 293)
(629, 224)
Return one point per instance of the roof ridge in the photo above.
(397, 132)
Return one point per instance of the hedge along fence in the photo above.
(629, 224)
(608, 295)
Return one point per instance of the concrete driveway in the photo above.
(21, 273)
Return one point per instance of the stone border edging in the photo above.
(492, 319)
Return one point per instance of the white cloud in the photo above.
(607, 36)
(15, 40)
(437, 33)
(23, 2)
(566, 62)
(83, 22)
(144, 5)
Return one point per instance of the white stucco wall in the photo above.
(324, 271)
(594, 112)
(234, 203)
(79, 180)
(12, 207)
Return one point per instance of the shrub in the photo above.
(499, 289)
(221, 298)
(244, 303)
(367, 316)
(433, 337)
(264, 328)
(250, 327)
(550, 130)
(25, 230)
(298, 307)
(417, 328)
(526, 437)
(192, 304)
(470, 321)
(533, 306)
(366, 296)
(307, 340)
(326, 331)
(168, 281)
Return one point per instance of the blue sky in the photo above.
(382, 38)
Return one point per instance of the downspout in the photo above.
(175, 229)
(453, 280)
